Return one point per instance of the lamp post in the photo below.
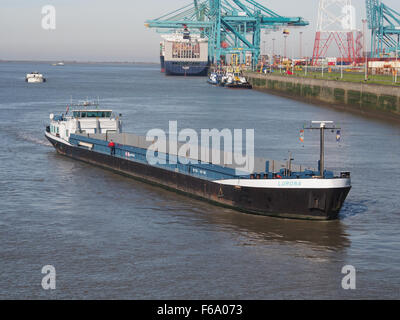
(271, 61)
(301, 45)
(341, 67)
(281, 58)
(284, 54)
(306, 65)
(273, 51)
(364, 21)
(273, 47)
(292, 61)
(397, 55)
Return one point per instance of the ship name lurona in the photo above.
(289, 183)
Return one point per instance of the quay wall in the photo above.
(377, 100)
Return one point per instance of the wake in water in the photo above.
(32, 139)
(353, 208)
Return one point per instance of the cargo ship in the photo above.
(95, 136)
(183, 54)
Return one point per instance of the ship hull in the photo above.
(239, 85)
(314, 204)
(35, 80)
(173, 68)
(162, 63)
(212, 82)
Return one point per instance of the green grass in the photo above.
(347, 77)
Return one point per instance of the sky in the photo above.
(104, 30)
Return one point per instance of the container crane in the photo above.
(384, 23)
(231, 26)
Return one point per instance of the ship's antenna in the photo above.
(322, 127)
(289, 163)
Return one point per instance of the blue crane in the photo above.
(231, 26)
(384, 23)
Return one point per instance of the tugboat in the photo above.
(236, 80)
(95, 136)
(214, 79)
(216, 76)
(35, 77)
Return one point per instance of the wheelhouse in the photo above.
(84, 120)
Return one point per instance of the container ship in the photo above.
(183, 54)
(95, 136)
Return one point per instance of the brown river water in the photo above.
(111, 237)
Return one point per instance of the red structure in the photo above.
(359, 45)
(337, 25)
(344, 41)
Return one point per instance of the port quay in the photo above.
(199, 159)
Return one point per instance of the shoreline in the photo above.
(78, 62)
(369, 100)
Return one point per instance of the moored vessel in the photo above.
(214, 78)
(271, 189)
(234, 78)
(184, 54)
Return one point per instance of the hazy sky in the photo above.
(104, 30)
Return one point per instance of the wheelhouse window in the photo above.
(92, 114)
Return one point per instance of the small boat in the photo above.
(58, 64)
(225, 78)
(214, 79)
(35, 77)
(237, 80)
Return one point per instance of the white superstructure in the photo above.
(87, 120)
(35, 77)
(177, 48)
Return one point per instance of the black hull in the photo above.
(162, 63)
(239, 86)
(315, 204)
(199, 69)
(213, 83)
(236, 85)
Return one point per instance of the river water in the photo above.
(112, 237)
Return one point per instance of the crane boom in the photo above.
(233, 22)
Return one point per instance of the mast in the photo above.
(322, 127)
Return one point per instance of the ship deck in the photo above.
(134, 147)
